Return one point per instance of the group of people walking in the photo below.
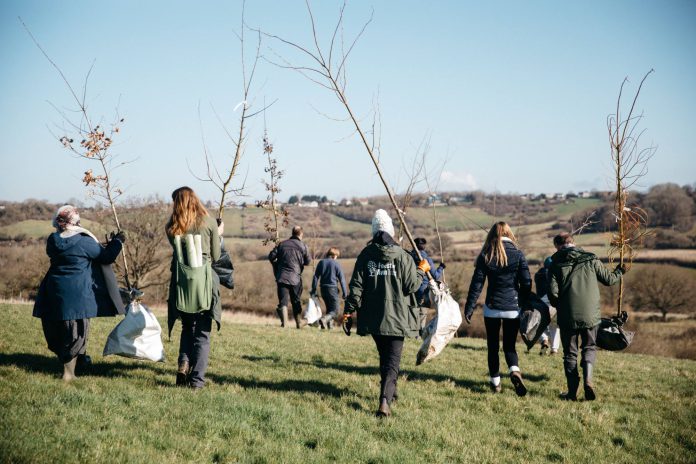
(387, 296)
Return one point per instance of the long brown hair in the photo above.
(187, 212)
(493, 246)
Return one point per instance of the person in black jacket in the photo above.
(289, 259)
(422, 295)
(552, 333)
(509, 283)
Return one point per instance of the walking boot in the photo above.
(321, 322)
(84, 364)
(298, 320)
(69, 370)
(384, 409)
(282, 315)
(573, 383)
(516, 378)
(544, 348)
(182, 374)
(587, 382)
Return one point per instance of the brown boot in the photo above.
(182, 374)
(495, 388)
(384, 409)
(69, 370)
(516, 378)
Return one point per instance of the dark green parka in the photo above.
(574, 289)
(382, 291)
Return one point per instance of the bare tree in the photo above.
(223, 181)
(629, 161)
(95, 142)
(326, 67)
(662, 289)
(415, 175)
(432, 186)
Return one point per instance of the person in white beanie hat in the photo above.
(382, 294)
(382, 222)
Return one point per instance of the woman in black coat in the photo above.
(509, 283)
(78, 286)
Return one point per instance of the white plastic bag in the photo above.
(443, 326)
(313, 311)
(138, 335)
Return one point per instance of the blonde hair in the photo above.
(493, 246)
(187, 212)
(333, 252)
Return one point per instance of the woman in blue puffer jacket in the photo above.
(509, 284)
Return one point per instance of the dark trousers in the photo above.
(290, 295)
(569, 340)
(510, 329)
(389, 349)
(330, 296)
(66, 339)
(195, 344)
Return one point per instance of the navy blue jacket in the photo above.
(506, 286)
(328, 273)
(541, 281)
(74, 286)
(435, 272)
(289, 259)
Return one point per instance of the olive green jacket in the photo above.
(210, 246)
(574, 289)
(382, 291)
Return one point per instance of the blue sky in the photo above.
(514, 94)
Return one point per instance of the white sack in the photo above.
(312, 312)
(138, 335)
(443, 326)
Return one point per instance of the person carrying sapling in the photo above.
(194, 289)
(382, 298)
(574, 291)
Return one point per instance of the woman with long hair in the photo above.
(509, 284)
(194, 289)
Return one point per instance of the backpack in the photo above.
(193, 276)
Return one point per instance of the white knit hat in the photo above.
(382, 222)
(66, 216)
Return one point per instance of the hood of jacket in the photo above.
(572, 256)
(57, 245)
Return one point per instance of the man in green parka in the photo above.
(574, 291)
(382, 294)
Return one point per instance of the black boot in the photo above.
(282, 312)
(298, 320)
(384, 409)
(573, 383)
(587, 382)
(182, 374)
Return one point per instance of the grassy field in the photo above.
(307, 396)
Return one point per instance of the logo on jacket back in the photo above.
(381, 269)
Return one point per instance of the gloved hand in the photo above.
(347, 323)
(467, 315)
(621, 268)
(424, 265)
(442, 266)
(120, 236)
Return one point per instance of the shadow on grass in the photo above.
(50, 365)
(290, 385)
(468, 347)
(412, 375)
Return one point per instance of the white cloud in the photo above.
(451, 180)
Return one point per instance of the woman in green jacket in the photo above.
(382, 293)
(194, 290)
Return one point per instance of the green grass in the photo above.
(306, 396)
(35, 228)
(452, 217)
(566, 210)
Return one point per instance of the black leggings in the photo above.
(510, 329)
(389, 349)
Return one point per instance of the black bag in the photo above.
(535, 318)
(223, 267)
(611, 336)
